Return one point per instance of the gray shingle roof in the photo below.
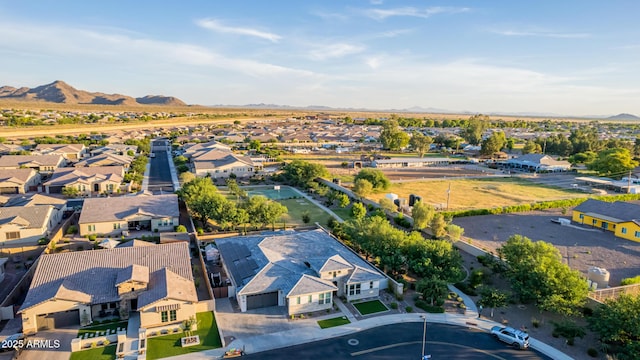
(19, 160)
(20, 176)
(95, 272)
(165, 284)
(97, 210)
(623, 211)
(31, 217)
(336, 262)
(361, 275)
(63, 176)
(37, 199)
(309, 285)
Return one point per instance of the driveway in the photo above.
(56, 345)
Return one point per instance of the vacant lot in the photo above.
(478, 193)
(580, 246)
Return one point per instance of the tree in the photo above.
(536, 273)
(263, 211)
(493, 298)
(387, 204)
(185, 177)
(454, 232)
(582, 158)
(343, 200)
(531, 147)
(618, 324)
(302, 173)
(438, 226)
(306, 217)
(181, 229)
(475, 127)
(392, 136)
(432, 289)
(362, 188)
(422, 214)
(70, 191)
(234, 189)
(493, 143)
(358, 211)
(614, 163)
(420, 143)
(255, 145)
(376, 177)
(200, 195)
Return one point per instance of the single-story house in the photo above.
(18, 181)
(621, 218)
(88, 180)
(538, 163)
(59, 205)
(71, 152)
(25, 225)
(117, 149)
(6, 149)
(412, 162)
(221, 164)
(302, 271)
(112, 215)
(45, 164)
(75, 288)
(106, 159)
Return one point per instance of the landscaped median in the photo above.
(337, 321)
(170, 345)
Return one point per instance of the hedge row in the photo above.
(541, 205)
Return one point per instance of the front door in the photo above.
(96, 187)
(134, 304)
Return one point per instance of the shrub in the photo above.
(568, 330)
(72, 230)
(630, 281)
(402, 221)
(466, 289)
(181, 229)
(394, 305)
(535, 322)
(429, 308)
(409, 309)
(592, 352)
(92, 237)
(43, 241)
(200, 231)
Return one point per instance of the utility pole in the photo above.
(448, 196)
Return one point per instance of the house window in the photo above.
(12, 235)
(605, 225)
(324, 298)
(164, 316)
(173, 315)
(594, 221)
(116, 226)
(581, 216)
(309, 300)
(624, 230)
(91, 228)
(638, 234)
(298, 300)
(354, 289)
(370, 284)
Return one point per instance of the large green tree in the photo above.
(615, 163)
(420, 143)
(475, 127)
(392, 136)
(200, 195)
(362, 188)
(493, 298)
(438, 226)
(302, 173)
(537, 273)
(262, 211)
(376, 177)
(422, 213)
(432, 289)
(493, 143)
(618, 324)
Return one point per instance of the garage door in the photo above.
(9, 190)
(59, 320)
(262, 300)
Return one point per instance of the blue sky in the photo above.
(565, 57)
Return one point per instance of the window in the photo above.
(370, 284)
(594, 221)
(624, 230)
(173, 315)
(310, 299)
(298, 300)
(91, 228)
(164, 316)
(12, 235)
(324, 298)
(116, 226)
(638, 234)
(581, 216)
(354, 289)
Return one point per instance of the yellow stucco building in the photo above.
(621, 218)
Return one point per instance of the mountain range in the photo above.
(63, 93)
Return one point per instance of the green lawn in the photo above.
(102, 327)
(297, 207)
(370, 307)
(101, 353)
(341, 320)
(169, 345)
(344, 213)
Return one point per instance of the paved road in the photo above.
(404, 341)
(50, 345)
(159, 172)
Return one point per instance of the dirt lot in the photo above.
(581, 246)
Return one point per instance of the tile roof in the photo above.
(97, 210)
(95, 272)
(35, 217)
(63, 176)
(309, 285)
(19, 176)
(361, 275)
(20, 160)
(133, 272)
(623, 211)
(134, 243)
(37, 199)
(165, 284)
(105, 159)
(336, 262)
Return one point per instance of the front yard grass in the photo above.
(101, 353)
(337, 321)
(344, 213)
(102, 327)
(370, 307)
(297, 206)
(169, 345)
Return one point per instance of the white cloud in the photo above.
(548, 34)
(381, 14)
(214, 25)
(373, 62)
(337, 50)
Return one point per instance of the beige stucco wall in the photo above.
(105, 228)
(305, 305)
(149, 318)
(27, 236)
(30, 316)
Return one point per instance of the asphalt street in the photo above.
(159, 172)
(404, 341)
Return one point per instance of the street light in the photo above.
(424, 337)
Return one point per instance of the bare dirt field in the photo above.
(580, 246)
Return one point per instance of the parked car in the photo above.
(509, 335)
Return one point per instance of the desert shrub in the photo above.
(429, 308)
(402, 221)
(568, 330)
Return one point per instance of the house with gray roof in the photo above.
(621, 218)
(87, 180)
(112, 215)
(76, 288)
(301, 271)
(538, 163)
(18, 181)
(44, 164)
(71, 152)
(20, 226)
(59, 205)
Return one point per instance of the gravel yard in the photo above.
(580, 246)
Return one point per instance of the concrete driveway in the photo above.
(56, 345)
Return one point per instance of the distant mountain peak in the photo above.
(623, 116)
(63, 93)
